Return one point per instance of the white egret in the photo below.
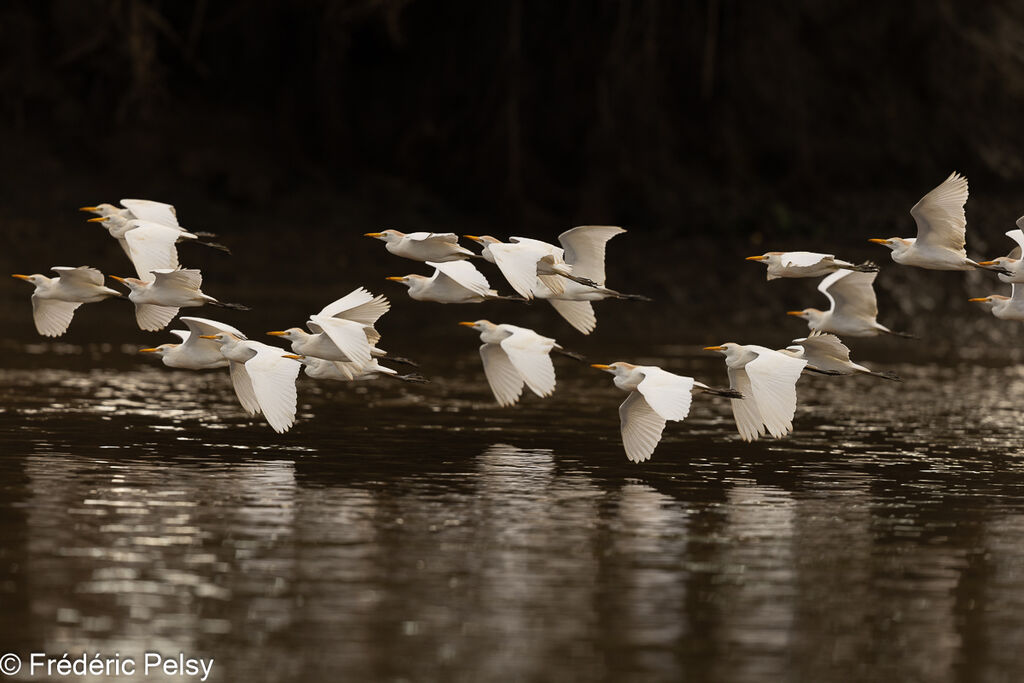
(826, 354)
(149, 245)
(264, 380)
(453, 282)
(195, 352)
(158, 300)
(522, 260)
(1005, 307)
(806, 264)
(1011, 266)
(438, 247)
(767, 379)
(513, 356)
(941, 230)
(143, 210)
(318, 368)
(853, 307)
(655, 396)
(55, 299)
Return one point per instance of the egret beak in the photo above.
(796, 313)
(600, 366)
(21, 277)
(292, 356)
(986, 263)
(396, 278)
(755, 258)
(98, 219)
(468, 324)
(475, 238)
(372, 234)
(148, 350)
(878, 240)
(277, 333)
(90, 209)
(714, 348)
(983, 299)
(119, 279)
(207, 336)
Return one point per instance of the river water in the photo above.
(420, 533)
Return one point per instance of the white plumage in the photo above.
(56, 299)
(514, 356)
(453, 282)
(437, 247)
(805, 264)
(853, 306)
(195, 352)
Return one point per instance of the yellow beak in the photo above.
(980, 298)
(20, 277)
(468, 324)
(986, 263)
(292, 356)
(714, 348)
(372, 234)
(878, 240)
(148, 350)
(600, 367)
(278, 333)
(475, 238)
(395, 278)
(755, 258)
(797, 313)
(98, 219)
(114, 277)
(89, 208)
(207, 336)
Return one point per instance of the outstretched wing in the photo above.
(745, 411)
(668, 394)
(82, 275)
(446, 237)
(940, 218)
(518, 263)
(641, 427)
(585, 249)
(461, 273)
(505, 381)
(529, 354)
(579, 314)
(52, 317)
(359, 305)
(151, 247)
(198, 326)
(348, 336)
(819, 346)
(852, 294)
(146, 210)
(187, 279)
(152, 318)
(773, 378)
(242, 384)
(273, 383)
(1018, 237)
(802, 259)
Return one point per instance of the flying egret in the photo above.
(515, 355)
(1011, 266)
(264, 380)
(143, 210)
(941, 230)
(195, 352)
(853, 307)
(318, 368)
(438, 247)
(826, 354)
(767, 379)
(655, 396)
(806, 264)
(150, 246)
(55, 299)
(1005, 307)
(453, 282)
(522, 260)
(158, 300)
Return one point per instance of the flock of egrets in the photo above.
(340, 341)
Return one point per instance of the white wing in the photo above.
(823, 346)
(82, 275)
(243, 388)
(151, 247)
(641, 427)
(359, 306)
(183, 335)
(201, 353)
(462, 273)
(146, 210)
(1018, 237)
(585, 249)
(773, 378)
(579, 314)
(745, 411)
(198, 326)
(273, 384)
(52, 317)
(940, 215)
(852, 294)
(152, 317)
(518, 263)
(802, 259)
(348, 336)
(185, 279)
(506, 382)
(446, 237)
(528, 353)
(539, 246)
(668, 394)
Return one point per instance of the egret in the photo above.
(806, 264)
(195, 352)
(453, 282)
(55, 299)
(1005, 307)
(767, 379)
(318, 368)
(1010, 267)
(438, 247)
(143, 210)
(513, 356)
(264, 380)
(522, 260)
(941, 230)
(150, 246)
(853, 307)
(826, 354)
(158, 300)
(655, 397)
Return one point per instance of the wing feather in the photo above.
(82, 275)
(579, 314)
(147, 210)
(189, 279)
(152, 317)
(528, 352)
(359, 305)
(940, 218)
(52, 317)
(273, 384)
(585, 249)
(199, 326)
(462, 273)
(641, 427)
(745, 411)
(349, 337)
(803, 259)
(242, 383)
(852, 294)
(668, 394)
(518, 263)
(773, 377)
(151, 247)
(505, 381)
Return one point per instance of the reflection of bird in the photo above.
(767, 379)
(264, 380)
(806, 264)
(1005, 307)
(158, 300)
(655, 397)
(523, 261)
(195, 352)
(438, 247)
(828, 355)
(513, 356)
(55, 299)
(941, 230)
(853, 307)
(1011, 266)
(453, 282)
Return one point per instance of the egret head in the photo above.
(991, 299)
(479, 325)
(386, 235)
(220, 337)
(34, 279)
(617, 368)
(408, 280)
(290, 333)
(813, 316)
(1001, 262)
(159, 350)
(100, 209)
(726, 348)
(768, 258)
(897, 244)
(131, 283)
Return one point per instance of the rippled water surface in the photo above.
(422, 534)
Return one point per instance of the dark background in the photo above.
(711, 130)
